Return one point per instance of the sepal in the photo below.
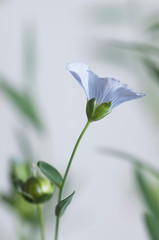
(90, 108)
(101, 111)
(96, 113)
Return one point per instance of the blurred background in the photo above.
(42, 111)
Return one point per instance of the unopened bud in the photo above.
(37, 190)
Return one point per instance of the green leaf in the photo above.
(144, 47)
(61, 207)
(19, 171)
(152, 68)
(152, 25)
(133, 159)
(101, 111)
(90, 108)
(22, 102)
(149, 186)
(152, 226)
(50, 172)
(30, 110)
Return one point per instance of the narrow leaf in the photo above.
(50, 172)
(24, 104)
(133, 159)
(135, 46)
(61, 207)
(153, 26)
(152, 226)
(152, 68)
(149, 190)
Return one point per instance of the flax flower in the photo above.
(103, 94)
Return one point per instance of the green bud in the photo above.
(37, 190)
(96, 113)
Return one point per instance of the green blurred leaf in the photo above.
(22, 102)
(50, 172)
(143, 47)
(152, 225)
(154, 27)
(152, 68)
(136, 161)
(61, 207)
(24, 209)
(19, 170)
(152, 24)
(150, 191)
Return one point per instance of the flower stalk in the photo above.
(41, 220)
(65, 176)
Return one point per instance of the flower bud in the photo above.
(37, 190)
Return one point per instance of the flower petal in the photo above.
(102, 89)
(110, 89)
(80, 72)
(124, 94)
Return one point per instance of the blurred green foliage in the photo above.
(19, 171)
(23, 103)
(26, 104)
(147, 179)
(152, 226)
(149, 188)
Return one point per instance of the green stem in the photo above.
(57, 227)
(66, 174)
(41, 220)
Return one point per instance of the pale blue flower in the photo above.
(104, 90)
